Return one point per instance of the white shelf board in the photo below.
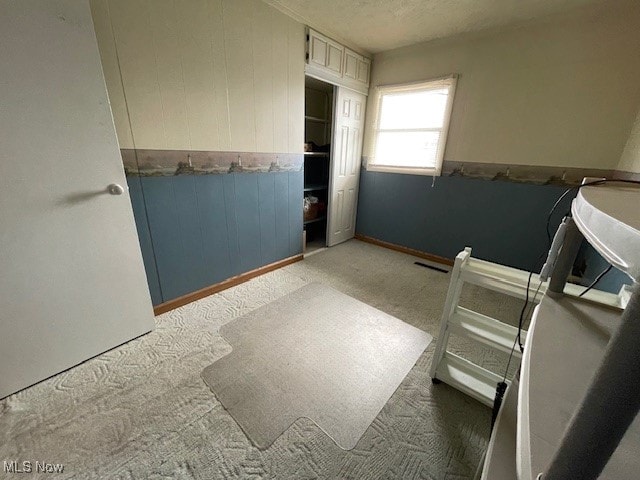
(566, 342)
(513, 282)
(484, 329)
(317, 119)
(316, 154)
(609, 218)
(507, 280)
(597, 296)
(468, 377)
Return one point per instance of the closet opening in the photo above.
(318, 130)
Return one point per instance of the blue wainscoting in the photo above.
(144, 236)
(504, 222)
(198, 230)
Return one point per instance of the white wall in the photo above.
(630, 160)
(222, 75)
(559, 92)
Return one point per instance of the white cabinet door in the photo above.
(325, 54)
(72, 284)
(356, 67)
(364, 67)
(351, 60)
(335, 53)
(331, 62)
(317, 49)
(345, 165)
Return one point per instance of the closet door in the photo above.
(345, 164)
(72, 283)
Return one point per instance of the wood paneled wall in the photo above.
(219, 75)
(204, 229)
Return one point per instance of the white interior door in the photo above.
(72, 282)
(345, 164)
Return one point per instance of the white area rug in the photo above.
(314, 353)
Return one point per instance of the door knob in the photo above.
(115, 189)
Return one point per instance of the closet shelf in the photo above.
(316, 119)
(311, 188)
(316, 154)
(318, 219)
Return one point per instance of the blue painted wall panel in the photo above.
(213, 222)
(267, 215)
(199, 230)
(281, 199)
(164, 225)
(248, 216)
(229, 187)
(503, 222)
(144, 236)
(196, 272)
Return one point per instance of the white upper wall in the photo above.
(221, 75)
(563, 91)
(630, 160)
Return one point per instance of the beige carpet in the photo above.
(142, 410)
(314, 353)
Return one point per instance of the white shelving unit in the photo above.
(579, 393)
(460, 373)
(452, 369)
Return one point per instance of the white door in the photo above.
(345, 164)
(72, 282)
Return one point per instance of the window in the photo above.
(411, 127)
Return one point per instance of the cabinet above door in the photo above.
(325, 54)
(332, 62)
(356, 67)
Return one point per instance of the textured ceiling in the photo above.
(378, 25)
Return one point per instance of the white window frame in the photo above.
(450, 82)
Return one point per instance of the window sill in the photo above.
(432, 172)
